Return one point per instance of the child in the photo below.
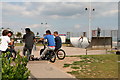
(5, 40)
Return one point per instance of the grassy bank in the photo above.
(94, 66)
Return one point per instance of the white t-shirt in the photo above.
(4, 42)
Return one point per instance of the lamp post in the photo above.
(90, 9)
(45, 25)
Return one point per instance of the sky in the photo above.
(56, 15)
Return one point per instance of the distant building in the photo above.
(63, 37)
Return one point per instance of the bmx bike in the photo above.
(50, 55)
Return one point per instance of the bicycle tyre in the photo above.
(52, 56)
(63, 52)
(14, 53)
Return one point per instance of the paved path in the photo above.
(69, 51)
(44, 69)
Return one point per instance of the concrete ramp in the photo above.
(79, 42)
(96, 42)
(100, 42)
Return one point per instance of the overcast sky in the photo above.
(61, 16)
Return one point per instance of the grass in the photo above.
(66, 65)
(18, 44)
(95, 66)
(21, 44)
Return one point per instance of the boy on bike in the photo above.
(11, 47)
(58, 42)
(5, 40)
(51, 43)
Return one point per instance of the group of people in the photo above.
(54, 41)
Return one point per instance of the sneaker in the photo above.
(40, 58)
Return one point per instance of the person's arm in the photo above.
(10, 42)
(34, 38)
(23, 38)
(41, 39)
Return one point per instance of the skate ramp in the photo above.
(77, 42)
(100, 42)
(96, 42)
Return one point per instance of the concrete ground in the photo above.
(44, 69)
(68, 50)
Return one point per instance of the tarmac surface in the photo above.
(44, 70)
(68, 50)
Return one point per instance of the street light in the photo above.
(45, 25)
(90, 15)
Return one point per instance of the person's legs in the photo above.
(9, 50)
(24, 50)
(44, 52)
(98, 34)
(30, 51)
(56, 49)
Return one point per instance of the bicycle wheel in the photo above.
(52, 56)
(60, 54)
(14, 54)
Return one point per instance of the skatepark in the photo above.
(52, 71)
(89, 33)
(79, 46)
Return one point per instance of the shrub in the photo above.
(14, 70)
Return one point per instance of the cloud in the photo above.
(0, 13)
(38, 26)
(77, 26)
(111, 12)
(65, 14)
(59, 0)
(10, 9)
(57, 10)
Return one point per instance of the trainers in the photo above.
(40, 58)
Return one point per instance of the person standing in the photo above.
(29, 39)
(58, 41)
(98, 32)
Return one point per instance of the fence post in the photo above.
(86, 51)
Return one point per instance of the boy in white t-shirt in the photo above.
(5, 40)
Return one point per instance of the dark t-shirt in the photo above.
(58, 42)
(29, 40)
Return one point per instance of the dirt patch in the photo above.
(68, 60)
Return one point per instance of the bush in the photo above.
(16, 69)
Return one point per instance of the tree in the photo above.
(19, 34)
